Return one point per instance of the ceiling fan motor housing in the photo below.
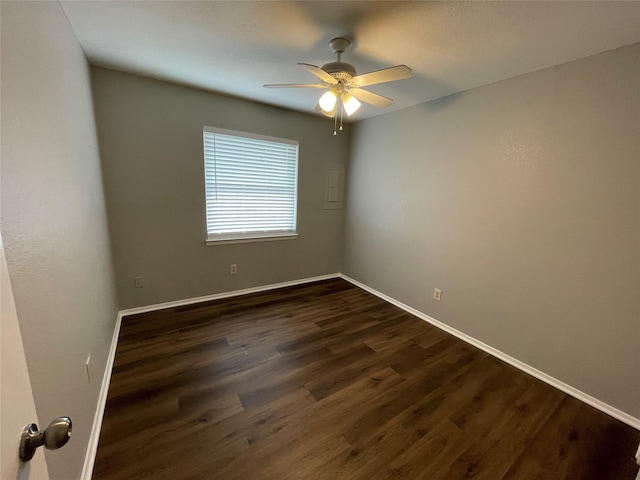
(340, 71)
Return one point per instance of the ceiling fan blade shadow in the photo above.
(399, 72)
(370, 97)
(318, 72)
(294, 85)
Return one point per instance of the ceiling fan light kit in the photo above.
(328, 101)
(344, 86)
(351, 104)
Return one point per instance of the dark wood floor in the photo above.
(327, 382)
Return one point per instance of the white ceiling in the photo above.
(234, 47)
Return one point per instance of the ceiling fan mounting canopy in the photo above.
(339, 45)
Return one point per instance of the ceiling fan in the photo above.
(345, 86)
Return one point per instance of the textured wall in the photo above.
(54, 223)
(519, 200)
(150, 135)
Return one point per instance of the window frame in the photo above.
(255, 235)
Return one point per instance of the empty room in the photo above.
(273, 240)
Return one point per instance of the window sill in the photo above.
(254, 238)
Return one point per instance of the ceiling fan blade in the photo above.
(295, 85)
(391, 74)
(318, 72)
(370, 97)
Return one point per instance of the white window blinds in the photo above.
(251, 185)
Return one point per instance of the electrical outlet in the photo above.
(88, 366)
(233, 269)
(138, 282)
(437, 294)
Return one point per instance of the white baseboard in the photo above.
(554, 382)
(218, 296)
(92, 447)
(102, 399)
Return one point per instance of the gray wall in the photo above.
(520, 201)
(150, 136)
(53, 219)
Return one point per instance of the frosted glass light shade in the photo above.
(351, 104)
(327, 101)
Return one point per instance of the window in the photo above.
(251, 186)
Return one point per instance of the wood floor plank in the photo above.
(325, 381)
